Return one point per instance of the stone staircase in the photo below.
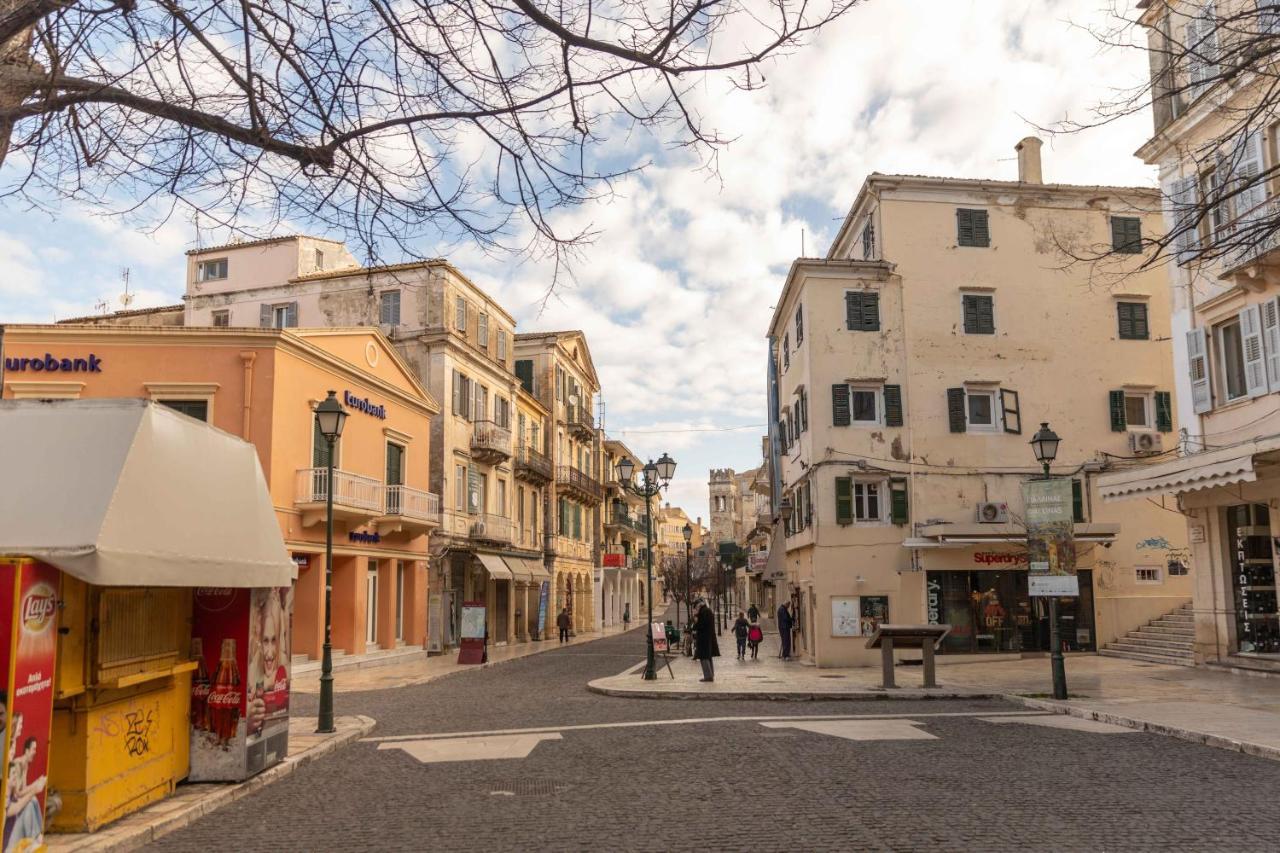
(1168, 639)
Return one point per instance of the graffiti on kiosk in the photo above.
(137, 735)
(1155, 543)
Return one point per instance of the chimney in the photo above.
(1029, 160)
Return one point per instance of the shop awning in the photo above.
(494, 566)
(131, 493)
(964, 535)
(519, 571)
(537, 569)
(1211, 469)
(526, 569)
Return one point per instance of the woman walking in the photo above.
(755, 634)
(705, 646)
(740, 628)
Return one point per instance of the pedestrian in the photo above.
(626, 617)
(753, 612)
(754, 635)
(784, 630)
(740, 630)
(705, 646)
(562, 622)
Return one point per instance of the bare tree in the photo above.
(377, 120)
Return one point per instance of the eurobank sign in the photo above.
(53, 364)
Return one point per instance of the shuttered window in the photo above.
(799, 325)
(844, 500)
(524, 372)
(956, 416)
(1077, 502)
(893, 405)
(389, 308)
(1132, 320)
(1119, 421)
(1126, 235)
(1010, 411)
(898, 509)
(972, 228)
(1164, 411)
(979, 314)
(869, 240)
(862, 310)
(1198, 371)
(840, 405)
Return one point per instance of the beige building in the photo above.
(623, 573)
(912, 365)
(1218, 153)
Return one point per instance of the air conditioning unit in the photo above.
(992, 512)
(1146, 442)
(478, 528)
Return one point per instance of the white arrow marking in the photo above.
(859, 729)
(472, 748)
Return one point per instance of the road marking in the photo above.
(435, 751)
(1062, 721)
(860, 729)
(697, 721)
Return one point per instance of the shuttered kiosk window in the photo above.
(972, 228)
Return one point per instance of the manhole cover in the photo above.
(529, 788)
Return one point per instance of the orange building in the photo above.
(263, 385)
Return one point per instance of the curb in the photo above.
(136, 837)
(1217, 741)
(794, 696)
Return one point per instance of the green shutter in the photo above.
(986, 315)
(844, 500)
(1140, 329)
(1164, 411)
(955, 409)
(1077, 502)
(981, 230)
(524, 372)
(870, 312)
(1133, 321)
(893, 405)
(1118, 423)
(1124, 311)
(840, 414)
(970, 315)
(853, 310)
(1126, 235)
(898, 501)
(972, 228)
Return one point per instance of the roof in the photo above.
(244, 244)
(588, 362)
(383, 268)
(130, 493)
(135, 312)
(875, 270)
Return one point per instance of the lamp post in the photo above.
(1044, 444)
(330, 417)
(655, 477)
(688, 574)
(785, 510)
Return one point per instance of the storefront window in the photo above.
(992, 612)
(1253, 579)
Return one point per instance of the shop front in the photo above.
(113, 522)
(990, 611)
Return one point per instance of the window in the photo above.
(786, 351)
(1217, 214)
(524, 373)
(984, 410)
(221, 319)
(1143, 410)
(560, 383)
(482, 330)
(865, 405)
(802, 410)
(867, 500)
(1077, 502)
(1201, 40)
(198, 409)
(395, 464)
(862, 404)
(460, 315)
(972, 228)
(1126, 235)
(799, 325)
(501, 508)
(1137, 410)
(211, 270)
(280, 316)
(389, 308)
(979, 314)
(460, 488)
(502, 345)
(1230, 344)
(319, 259)
(862, 310)
(1147, 574)
(980, 410)
(868, 240)
(1132, 320)
(480, 399)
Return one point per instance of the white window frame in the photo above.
(482, 330)
(882, 495)
(992, 394)
(203, 269)
(224, 314)
(1148, 408)
(1139, 570)
(878, 390)
(280, 316)
(1220, 362)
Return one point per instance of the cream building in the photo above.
(913, 364)
(622, 572)
(556, 368)
(1210, 134)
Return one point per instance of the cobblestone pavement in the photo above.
(961, 783)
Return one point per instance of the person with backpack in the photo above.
(753, 612)
(755, 634)
(740, 634)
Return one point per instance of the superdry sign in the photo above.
(994, 558)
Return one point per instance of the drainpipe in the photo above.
(247, 357)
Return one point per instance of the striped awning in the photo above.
(1212, 469)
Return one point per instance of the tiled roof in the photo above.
(134, 312)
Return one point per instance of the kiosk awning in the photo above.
(131, 493)
(494, 566)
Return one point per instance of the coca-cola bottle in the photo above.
(200, 686)
(225, 695)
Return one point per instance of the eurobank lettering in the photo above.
(52, 364)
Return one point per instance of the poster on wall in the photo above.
(873, 611)
(844, 616)
(240, 690)
(543, 600)
(28, 600)
(1051, 553)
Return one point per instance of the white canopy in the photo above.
(130, 493)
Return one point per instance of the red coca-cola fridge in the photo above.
(240, 690)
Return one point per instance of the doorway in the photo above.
(371, 606)
(400, 570)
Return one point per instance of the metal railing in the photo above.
(1255, 232)
(413, 503)
(349, 490)
(624, 519)
(488, 436)
(566, 546)
(539, 463)
(567, 475)
(493, 528)
(579, 417)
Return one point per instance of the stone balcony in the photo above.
(356, 498)
(579, 485)
(580, 422)
(533, 467)
(490, 443)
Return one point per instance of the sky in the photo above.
(676, 293)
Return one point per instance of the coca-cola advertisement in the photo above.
(240, 690)
(28, 599)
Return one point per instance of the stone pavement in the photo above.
(194, 801)
(1204, 706)
(419, 668)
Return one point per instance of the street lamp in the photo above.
(1044, 444)
(330, 417)
(688, 575)
(654, 478)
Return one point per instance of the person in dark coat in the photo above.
(784, 630)
(563, 622)
(753, 613)
(740, 628)
(705, 646)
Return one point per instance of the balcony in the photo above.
(625, 522)
(486, 527)
(1252, 257)
(578, 485)
(534, 467)
(409, 510)
(565, 546)
(356, 499)
(580, 422)
(490, 443)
